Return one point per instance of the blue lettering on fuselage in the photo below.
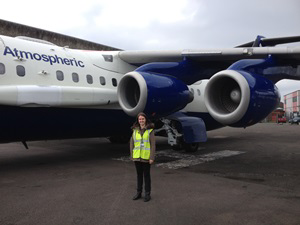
(46, 58)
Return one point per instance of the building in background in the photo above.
(277, 116)
(292, 104)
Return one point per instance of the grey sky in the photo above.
(163, 24)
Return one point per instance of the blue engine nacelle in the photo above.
(239, 98)
(153, 94)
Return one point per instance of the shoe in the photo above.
(147, 197)
(137, 196)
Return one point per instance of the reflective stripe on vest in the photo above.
(141, 144)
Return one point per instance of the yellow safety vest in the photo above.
(141, 144)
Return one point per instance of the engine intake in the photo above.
(239, 98)
(154, 94)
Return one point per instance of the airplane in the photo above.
(51, 92)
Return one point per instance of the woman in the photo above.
(142, 152)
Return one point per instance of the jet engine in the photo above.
(239, 98)
(153, 94)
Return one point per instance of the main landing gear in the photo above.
(172, 129)
(175, 138)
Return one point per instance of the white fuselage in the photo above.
(36, 74)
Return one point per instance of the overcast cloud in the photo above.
(162, 24)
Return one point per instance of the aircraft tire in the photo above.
(177, 147)
(192, 147)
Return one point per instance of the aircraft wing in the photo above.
(233, 75)
(228, 55)
(260, 48)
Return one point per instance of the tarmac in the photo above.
(239, 176)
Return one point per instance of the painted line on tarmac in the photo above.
(192, 160)
(219, 137)
(181, 160)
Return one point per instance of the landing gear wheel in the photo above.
(177, 147)
(191, 147)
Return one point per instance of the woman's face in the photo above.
(142, 121)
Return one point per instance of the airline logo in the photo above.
(52, 59)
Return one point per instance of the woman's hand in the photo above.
(151, 161)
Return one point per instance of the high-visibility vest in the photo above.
(141, 144)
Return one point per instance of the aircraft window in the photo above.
(192, 90)
(75, 77)
(2, 68)
(199, 93)
(102, 80)
(59, 75)
(89, 79)
(21, 71)
(114, 82)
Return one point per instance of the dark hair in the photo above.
(148, 122)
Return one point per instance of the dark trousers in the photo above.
(143, 172)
